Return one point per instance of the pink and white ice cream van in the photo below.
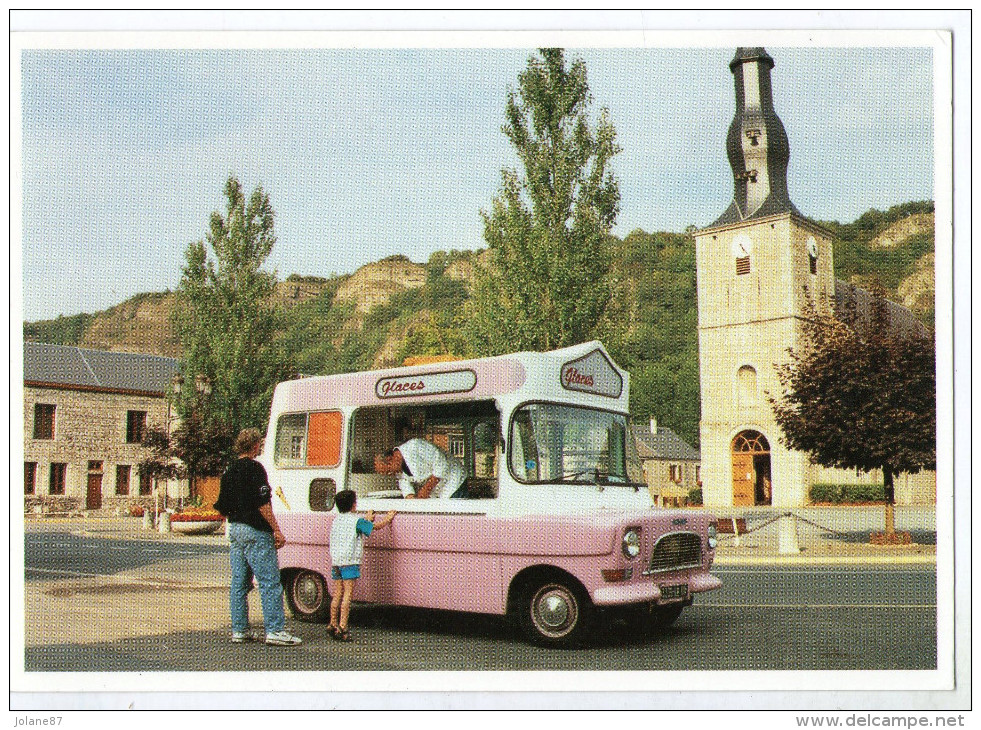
(555, 523)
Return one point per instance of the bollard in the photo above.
(788, 543)
(148, 520)
(164, 524)
(735, 531)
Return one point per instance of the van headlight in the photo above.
(713, 536)
(631, 543)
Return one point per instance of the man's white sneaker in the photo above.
(239, 637)
(283, 638)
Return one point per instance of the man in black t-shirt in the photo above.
(245, 498)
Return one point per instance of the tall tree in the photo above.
(224, 319)
(546, 283)
(861, 395)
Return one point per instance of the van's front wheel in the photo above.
(555, 613)
(307, 596)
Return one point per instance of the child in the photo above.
(347, 536)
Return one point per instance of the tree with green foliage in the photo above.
(861, 396)
(225, 321)
(546, 285)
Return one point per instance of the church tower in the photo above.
(760, 268)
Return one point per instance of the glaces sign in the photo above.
(592, 373)
(455, 381)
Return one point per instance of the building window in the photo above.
(135, 426)
(44, 421)
(122, 479)
(814, 264)
(146, 484)
(56, 478)
(95, 466)
(30, 476)
(674, 472)
(457, 446)
(748, 393)
(742, 265)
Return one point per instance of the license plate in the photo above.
(674, 593)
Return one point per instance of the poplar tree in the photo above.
(546, 283)
(225, 320)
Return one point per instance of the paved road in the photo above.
(110, 608)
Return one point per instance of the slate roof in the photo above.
(665, 445)
(900, 320)
(59, 365)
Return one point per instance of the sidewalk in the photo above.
(823, 536)
(826, 536)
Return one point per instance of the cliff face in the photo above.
(375, 284)
(142, 324)
(900, 231)
(916, 291)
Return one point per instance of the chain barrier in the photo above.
(767, 523)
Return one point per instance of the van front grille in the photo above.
(676, 551)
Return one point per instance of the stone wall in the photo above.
(89, 427)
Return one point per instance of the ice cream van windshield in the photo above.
(568, 444)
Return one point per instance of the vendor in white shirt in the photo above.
(424, 470)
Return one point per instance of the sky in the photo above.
(371, 152)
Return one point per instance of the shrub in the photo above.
(695, 496)
(847, 493)
(197, 514)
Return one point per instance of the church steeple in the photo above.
(757, 143)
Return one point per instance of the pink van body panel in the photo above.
(467, 562)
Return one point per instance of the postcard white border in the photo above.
(872, 681)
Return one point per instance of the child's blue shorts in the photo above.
(345, 572)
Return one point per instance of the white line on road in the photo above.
(124, 579)
(819, 605)
(822, 569)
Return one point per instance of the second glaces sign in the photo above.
(592, 373)
(404, 386)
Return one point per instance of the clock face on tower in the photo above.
(742, 246)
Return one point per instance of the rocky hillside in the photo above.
(898, 253)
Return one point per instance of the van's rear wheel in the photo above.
(555, 613)
(307, 596)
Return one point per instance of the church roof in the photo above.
(665, 445)
(901, 321)
(58, 365)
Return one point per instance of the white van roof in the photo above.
(583, 372)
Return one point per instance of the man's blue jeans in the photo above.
(253, 553)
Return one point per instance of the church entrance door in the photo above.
(751, 479)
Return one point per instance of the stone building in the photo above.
(760, 267)
(672, 468)
(85, 413)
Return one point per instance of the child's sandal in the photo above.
(332, 631)
(343, 635)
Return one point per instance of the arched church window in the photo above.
(746, 386)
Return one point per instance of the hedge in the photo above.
(847, 493)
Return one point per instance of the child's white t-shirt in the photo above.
(347, 534)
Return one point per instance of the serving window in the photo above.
(468, 432)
